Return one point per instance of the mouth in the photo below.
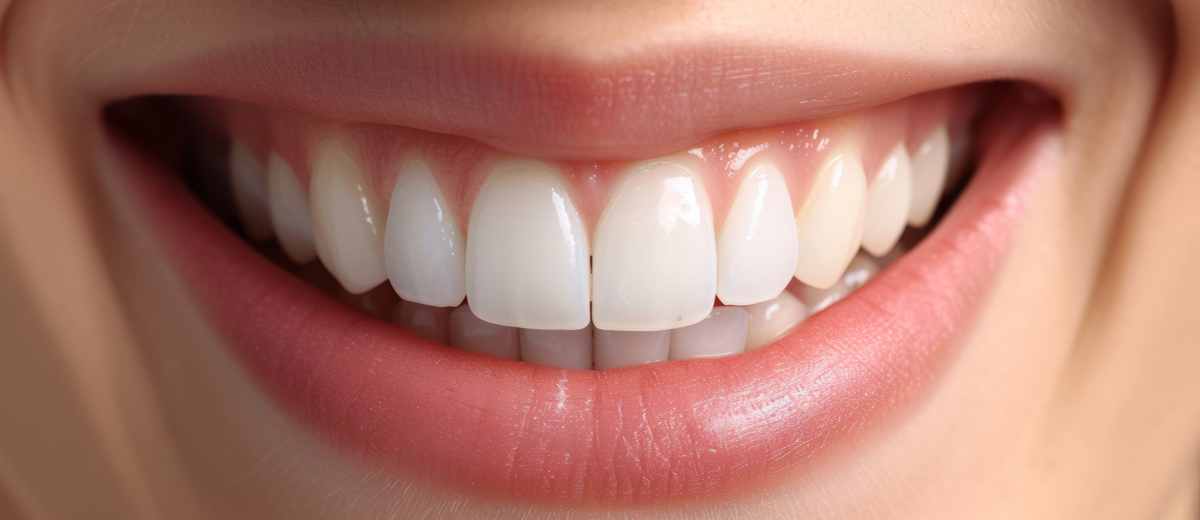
(675, 316)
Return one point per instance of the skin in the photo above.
(1075, 395)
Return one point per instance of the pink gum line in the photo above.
(461, 165)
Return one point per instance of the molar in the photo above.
(347, 221)
(423, 247)
(655, 261)
(558, 348)
(468, 332)
(831, 221)
(757, 246)
(770, 320)
(721, 333)
(290, 215)
(929, 166)
(888, 203)
(617, 348)
(249, 183)
(527, 252)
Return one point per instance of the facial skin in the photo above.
(1074, 394)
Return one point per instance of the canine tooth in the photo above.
(720, 334)
(888, 199)
(756, 249)
(423, 247)
(655, 262)
(288, 205)
(347, 221)
(432, 323)
(770, 320)
(857, 274)
(558, 348)
(527, 252)
(468, 332)
(929, 166)
(618, 348)
(831, 221)
(249, 182)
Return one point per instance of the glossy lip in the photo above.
(687, 430)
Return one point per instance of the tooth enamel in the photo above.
(558, 348)
(720, 334)
(771, 320)
(831, 221)
(929, 166)
(857, 274)
(432, 323)
(527, 252)
(290, 216)
(756, 249)
(249, 182)
(347, 221)
(655, 262)
(423, 247)
(616, 348)
(468, 332)
(888, 200)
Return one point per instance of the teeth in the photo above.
(655, 261)
(857, 274)
(347, 222)
(423, 247)
(527, 253)
(831, 221)
(616, 348)
(432, 323)
(288, 205)
(249, 191)
(558, 348)
(468, 332)
(756, 249)
(722, 333)
(770, 320)
(929, 166)
(889, 197)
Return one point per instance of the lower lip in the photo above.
(683, 430)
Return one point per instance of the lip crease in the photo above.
(683, 430)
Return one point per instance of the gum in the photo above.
(461, 165)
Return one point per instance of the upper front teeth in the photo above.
(654, 262)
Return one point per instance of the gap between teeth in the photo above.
(539, 288)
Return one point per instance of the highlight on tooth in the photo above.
(424, 250)
(347, 221)
(830, 224)
(757, 246)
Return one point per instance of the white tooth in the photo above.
(857, 274)
(347, 221)
(929, 166)
(888, 200)
(288, 203)
(527, 252)
(468, 332)
(770, 320)
(756, 249)
(423, 247)
(720, 334)
(618, 348)
(249, 191)
(655, 261)
(432, 323)
(831, 221)
(558, 348)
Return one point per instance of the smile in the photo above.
(531, 317)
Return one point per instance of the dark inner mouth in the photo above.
(175, 131)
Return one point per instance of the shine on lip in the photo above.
(700, 429)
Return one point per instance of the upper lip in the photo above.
(637, 104)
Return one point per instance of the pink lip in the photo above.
(685, 430)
